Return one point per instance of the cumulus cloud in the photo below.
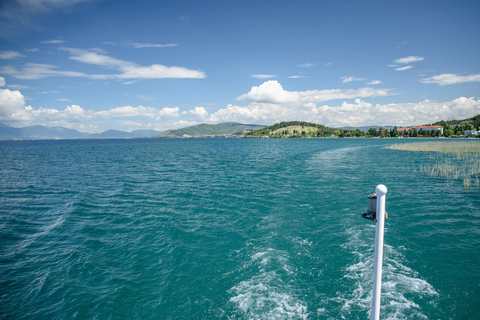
(409, 59)
(2, 81)
(9, 55)
(140, 111)
(272, 92)
(11, 101)
(13, 110)
(374, 82)
(263, 76)
(270, 103)
(358, 113)
(350, 79)
(404, 68)
(450, 78)
(201, 112)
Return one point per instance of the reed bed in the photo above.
(453, 161)
(450, 147)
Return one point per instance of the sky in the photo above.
(93, 65)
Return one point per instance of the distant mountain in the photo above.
(110, 134)
(225, 129)
(48, 133)
(144, 133)
(39, 133)
(8, 133)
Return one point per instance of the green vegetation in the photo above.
(226, 129)
(302, 129)
(452, 147)
(454, 160)
(454, 128)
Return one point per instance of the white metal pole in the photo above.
(381, 192)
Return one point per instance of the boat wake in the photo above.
(402, 288)
(270, 292)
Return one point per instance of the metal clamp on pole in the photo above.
(372, 208)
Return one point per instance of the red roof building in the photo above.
(430, 128)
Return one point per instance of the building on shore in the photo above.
(471, 133)
(403, 131)
(430, 128)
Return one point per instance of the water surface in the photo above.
(229, 229)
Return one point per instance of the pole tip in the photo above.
(381, 190)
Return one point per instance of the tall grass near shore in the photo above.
(453, 160)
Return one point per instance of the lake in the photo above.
(230, 229)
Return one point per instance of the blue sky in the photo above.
(93, 65)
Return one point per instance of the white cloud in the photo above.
(350, 79)
(374, 82)
(306, 65)
(2, 81)
(143, 97)
(263, 76)
(140, 111)
(409, 59)
(296, 77)
(358, 113)
(17, 15)
(404, 68)
(272, 92)
(199, 111)
(10, 102)
(54, 41)
(64, 100)
(8, 55)
(18, 86)
(131, 70)
(128, 70)
(450, 78)
(33, 71)
(151, 45)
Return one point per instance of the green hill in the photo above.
(293, 129)
(226, 129)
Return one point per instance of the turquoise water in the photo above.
(230, 229)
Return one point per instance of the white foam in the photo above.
(398, 282)
(263, 297)
(268, 294)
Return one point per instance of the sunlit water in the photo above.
(230, 229)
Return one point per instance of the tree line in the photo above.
(313, 130)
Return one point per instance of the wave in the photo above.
(402, 287)
(268, 294)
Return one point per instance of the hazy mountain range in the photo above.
(47, 133)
